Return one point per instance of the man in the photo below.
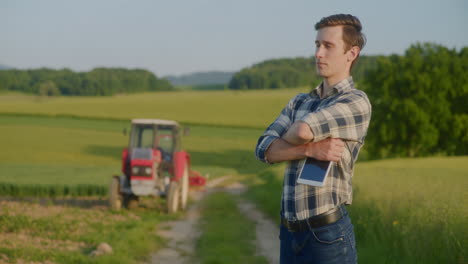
(330, 124)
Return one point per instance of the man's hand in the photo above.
(329, 149)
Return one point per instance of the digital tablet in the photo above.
(314, 172)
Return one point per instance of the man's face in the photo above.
(331, 58)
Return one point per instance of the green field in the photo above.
(417, 207)
(38, 233)
(404, 210)
(228, 108)
(44, 150)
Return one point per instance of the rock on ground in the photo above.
(102, 249)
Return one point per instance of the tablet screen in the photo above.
(314, 172)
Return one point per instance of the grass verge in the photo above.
(31, 232)
(227, 235)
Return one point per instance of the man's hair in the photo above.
(352, 35)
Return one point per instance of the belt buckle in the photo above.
(289, 225)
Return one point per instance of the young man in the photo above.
(329, 123)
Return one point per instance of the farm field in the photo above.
(404, 210)
(51, 153)
(32, 232)
(225, 108)
(82, 151)
(415, 208)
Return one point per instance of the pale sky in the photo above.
(176, 36)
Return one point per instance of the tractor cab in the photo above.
(155, 134)
(154, 137)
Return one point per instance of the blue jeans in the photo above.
(332, 243)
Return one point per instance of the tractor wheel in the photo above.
(184, 190)
(173, 197)
(115, 197)
(131, 201)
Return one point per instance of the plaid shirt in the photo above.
(343, 113)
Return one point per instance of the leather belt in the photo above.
(320, 220)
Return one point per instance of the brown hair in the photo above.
(352, 35)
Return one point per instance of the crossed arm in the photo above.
(319, 134)
(297, 143)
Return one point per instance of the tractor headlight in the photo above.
(142, 171)
(148, 171)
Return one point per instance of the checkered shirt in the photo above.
(343, 113)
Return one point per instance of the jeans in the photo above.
(333, 243)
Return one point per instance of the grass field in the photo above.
(44, 150)
(404, 210)
(53, 151)
(48, 233)
(229, 108)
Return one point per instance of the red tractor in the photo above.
(154, 165)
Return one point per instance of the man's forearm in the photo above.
(281, 150)
(329, 149)
(298, 134)
(292, 145)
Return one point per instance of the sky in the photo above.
(173, 37)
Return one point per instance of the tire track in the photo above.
(183, 234)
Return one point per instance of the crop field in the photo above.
(219, 108)
(404, 210)
(47, 150)
(415, 208)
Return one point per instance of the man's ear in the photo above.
(353, 53)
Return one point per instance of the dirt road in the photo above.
(182, 234)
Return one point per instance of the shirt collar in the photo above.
(342, 86)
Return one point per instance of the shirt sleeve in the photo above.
(347, 119)
(276, 129)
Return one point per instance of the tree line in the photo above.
(289, 73)
(99, 81)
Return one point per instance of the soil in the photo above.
(182, 234)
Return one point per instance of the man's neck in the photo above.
(328, 83)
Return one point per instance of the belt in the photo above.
(320, 220)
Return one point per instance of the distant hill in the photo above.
(4, 67)
(201, 78)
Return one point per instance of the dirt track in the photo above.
(182, 234)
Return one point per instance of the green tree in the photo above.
(48, 88)
(419, 103)
(99, 81)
